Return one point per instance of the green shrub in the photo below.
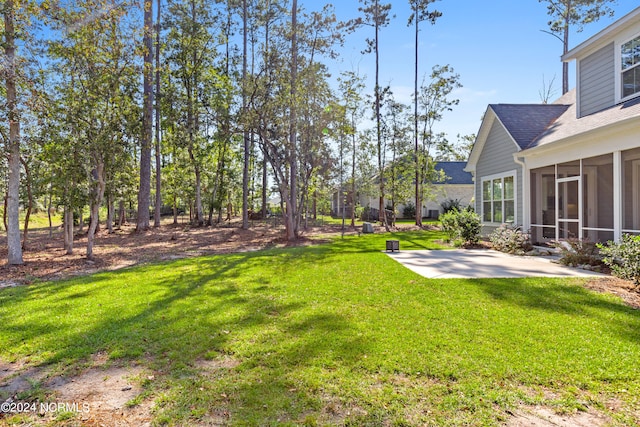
(451, 204)
(511, 240)
(464, 225)
(409, 211)
(575, 252)
(623, 258)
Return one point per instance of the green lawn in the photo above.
(36, 220)
(338, 334)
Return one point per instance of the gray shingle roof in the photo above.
(526, 122)
(455, 172)
(569, 125)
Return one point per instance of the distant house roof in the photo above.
(526, 122)
(455, 173)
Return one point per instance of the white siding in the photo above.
(443, 193)
(597, 81)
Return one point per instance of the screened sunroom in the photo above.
(595, 198)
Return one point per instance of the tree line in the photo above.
(219, 104)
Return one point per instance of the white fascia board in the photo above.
(489, 119)
(615, 137)
(481, 139)
(603, 37)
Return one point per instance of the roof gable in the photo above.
(526, 122)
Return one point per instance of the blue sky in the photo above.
(496, 46)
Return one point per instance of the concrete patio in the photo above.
(482, 263)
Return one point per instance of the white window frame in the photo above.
(513, 174)
(619, 70)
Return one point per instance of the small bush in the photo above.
(511, 240)
(450, 205)
(464, 225)
(623, 258)
(576, 252)
(409, 211)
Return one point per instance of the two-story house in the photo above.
(570, 169)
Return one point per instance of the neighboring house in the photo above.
(570, 169)
(458, 185)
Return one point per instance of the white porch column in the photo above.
(617, 195)
(526, 195)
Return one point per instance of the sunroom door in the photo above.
(569, 208)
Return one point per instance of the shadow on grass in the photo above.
(169, 316)
(554, 296)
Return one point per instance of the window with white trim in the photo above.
(498, 199)
(630, 67)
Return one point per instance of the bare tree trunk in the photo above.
(81, 220)
(175, 211)
(199, 214)
(565, 65)
(110, 212)
(144, 192)
(292, 229)
(29, 205)
(68, 229)
(97, 194)
(264, 188)
(415, 128)
(122, 215)
(210, 217)
(49, 202)
(4, 212)
(382, 214)
(245, 134)
(14, 248)
(156, 217)
(353, 180)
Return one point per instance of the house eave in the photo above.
(489, 119)
(603, 37)
(619, 126)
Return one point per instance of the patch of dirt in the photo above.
(539, 416)
(17, 377)
(613, 285)
(215, 365)
(99, 396)
(102, 396)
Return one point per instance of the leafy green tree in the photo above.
(190, 52)
(98, 83)
(144, 194)
(419, 13)
(376, 15)
(434, 101)
(397, 130)
(351, 90)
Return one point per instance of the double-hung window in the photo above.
(630, 67)
(498, 199)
